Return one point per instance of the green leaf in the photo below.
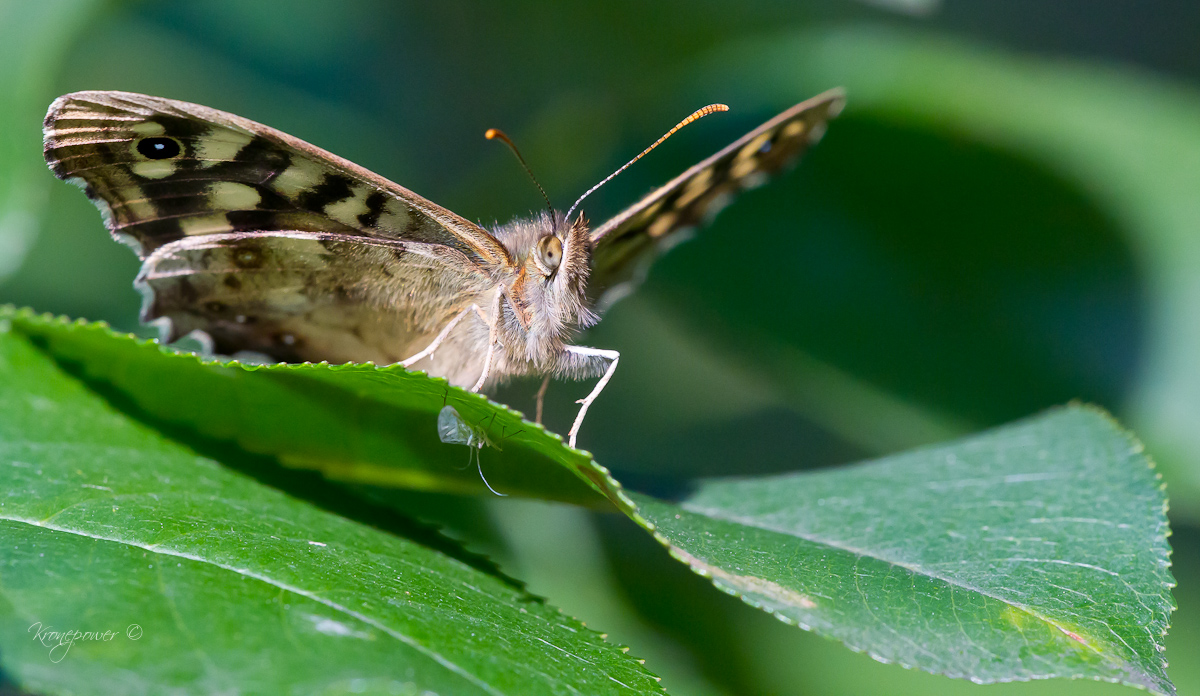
(1033, 551)
(358, 423)
(192, 576)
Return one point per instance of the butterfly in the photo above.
(263, 243)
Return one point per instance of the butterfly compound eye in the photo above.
(549, 253)
(158, 148)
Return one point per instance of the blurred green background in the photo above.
(1006, 217)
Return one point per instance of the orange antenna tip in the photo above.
(494, 133)
(695, 116)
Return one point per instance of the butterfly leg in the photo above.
(444, 333)
(541, 399)
(493, 331)
(612, 355)
(487, 366)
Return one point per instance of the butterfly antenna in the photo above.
(696, 116)
(492, 134)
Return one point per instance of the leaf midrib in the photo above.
(397, 635)
(713, 513)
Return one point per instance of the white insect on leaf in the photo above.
(453, 430)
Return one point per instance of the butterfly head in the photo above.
(548, 291)
(563, 258)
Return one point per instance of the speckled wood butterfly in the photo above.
(267, 244)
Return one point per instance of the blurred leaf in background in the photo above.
(35, 38)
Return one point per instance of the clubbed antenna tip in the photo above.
(695, 116)
(494, 133)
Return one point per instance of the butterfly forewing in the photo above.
(162, 170)
(262, 241)
(624, 243)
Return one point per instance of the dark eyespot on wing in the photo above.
(247, 255)
(159, 148)
(228, 169)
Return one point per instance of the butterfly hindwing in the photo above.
(296, 295)
(624, 243)
(162, 170)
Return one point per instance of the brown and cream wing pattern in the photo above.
(162, 170)
(623, 243)
(299, 295)
(261, 241)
